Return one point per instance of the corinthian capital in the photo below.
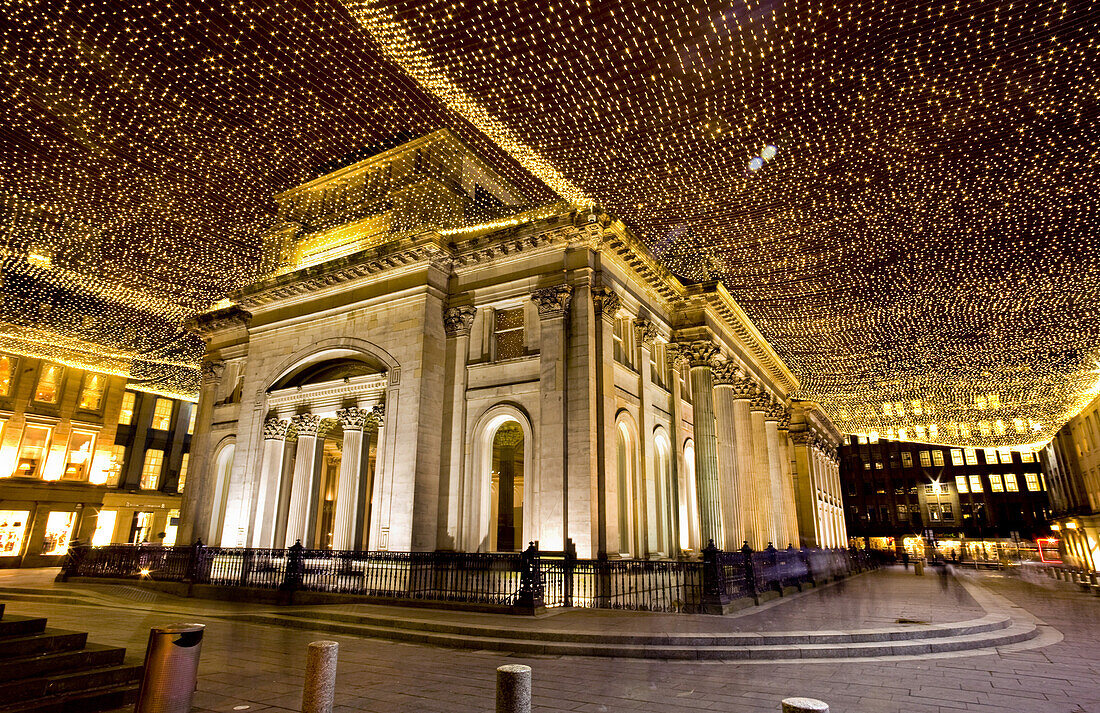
(726, 373)
(553, 301)
(276, 429)
(378, 415)
(700, 352)
(458, 320)
(761, 401)
(353, 418)
(744, 388)
(646, 331)
(307, 424)
(606, 302)
(212, 370)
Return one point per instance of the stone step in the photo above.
(517, 642)
(46, 599)
(15, 625)
(79, 702)
(91, 656)
(60, 684)
(990, 622)
(48, 641)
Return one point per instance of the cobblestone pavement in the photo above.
(260, 666)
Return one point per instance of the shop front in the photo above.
(38, 521)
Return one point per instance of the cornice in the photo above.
(208, 324)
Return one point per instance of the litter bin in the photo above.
(171, 669)
(918, 566)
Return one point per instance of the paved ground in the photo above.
(260, 666)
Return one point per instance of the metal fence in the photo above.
(528, 578)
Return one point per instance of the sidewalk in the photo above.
(260, 666)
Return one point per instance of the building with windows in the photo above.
(1072, 467)
(406, 383)
(76, 465)
(899, 492)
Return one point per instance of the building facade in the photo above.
(73, 465)
(1072, 465)
(538, 378)
(900, 492)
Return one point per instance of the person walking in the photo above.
(905, 558)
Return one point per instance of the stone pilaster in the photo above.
(725, 375)
(775, 476)
(197, 506)
(806, 498)
(699, 355)
(765, 507)
(271, 480)
(606, 305)
(457, 322)
(790, 515)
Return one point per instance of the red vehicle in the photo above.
(1048, 550)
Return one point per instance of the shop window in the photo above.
(1032, 482)
(13, 525)
(937, 458)
(79, 458)
(162, 414)
(126, 414)
(906, 459)
(960, 484)
(975, 483)
(7, 369)
(996, 485)
(32, 451)
(141, 528)
(971, 456)
(925, 459)
(183, 473)
(59, 527)
(48, 389)
(508, 333)
(91, 393)
(957, 456)
(104, 528)
(1010, 483)
(171, 528)
(150, 470)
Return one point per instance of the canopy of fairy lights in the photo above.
(902, 195)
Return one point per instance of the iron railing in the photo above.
(527, 579)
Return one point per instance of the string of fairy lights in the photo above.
(900, 195)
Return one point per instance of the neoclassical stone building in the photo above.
(405, 383)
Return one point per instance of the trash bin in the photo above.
(918, 567)
(171, 669)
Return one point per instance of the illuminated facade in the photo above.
(406, 387)
(80, 460)
(1073, 470)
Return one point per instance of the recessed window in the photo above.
(150, 470)
(1010, 483)
(162, 414)
(91, 393)
(48, 388)
(937, 458)
(183, 472)
(996, 485)
(59, 527)
(960, 484)
(1005, 455)
(906, 459)
(975, 483)
(32, 451)
(957, 456)
(7, 369)
(948, 511)
(1027, 457)
(79, 458)
(925, 459)
(971, 456)
(191, 419)
(126, 414)
(1032, 481)
(508, 333)
(990, 456)
(118, 458)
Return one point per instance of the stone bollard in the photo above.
(320, 684)
(514, 689)
(804, 705)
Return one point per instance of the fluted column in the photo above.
(457, 322)
(606, 304)
(742, 392)
(786, 475)
(653, 539)
(305, 469)
(271, 479)
(765, 505)
(699, 355)
(353, 420)
(725, 375)
(775, 476)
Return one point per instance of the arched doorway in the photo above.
(689, 512)
(223, 469)
(661, 495)
(506, 484)
(626, 460)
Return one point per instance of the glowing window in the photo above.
(32, 451)
(990, 456)
(59, 527)
(183, 472)
(1005, 455)
(104, 528)
(13, 526)
(1010, 483)
(79, 456)
(975, 483)
(171, 528)
(1027, 457)
(126, 414)
(925, 459)
(937, 458)
(162, 414)
(150, 470)
(7, 368)
(957, 456)
(191, 419)
(114, 470)
(1032, 482)
(91, 394)
(960, 484)
(996, 485)
(508, 333)
(49, 384)
(971, 456)
(906, 459)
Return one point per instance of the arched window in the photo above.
(689, 513)
(627, 467)
(661, 498)
(506, 487)
(223, 469)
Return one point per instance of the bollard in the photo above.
(804, 705)
(320, 685)
(171, 669)
(918, 567)
(514, 689)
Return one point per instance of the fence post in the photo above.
(569, 562)
(194, 560)
(750, 572)
(246, 567)
(773, 558)
(292, 578)
(529, 596)
(71, 566)
(514, 689)
(603, 581)
(319, 688)
(715, 598)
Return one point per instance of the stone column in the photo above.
(305, 472)
(645, 334)
(551, 493)
(805, 497)
(787, 477)
(775, 476)
(457, 322)
(271, 480)
(684, 509)
(742, 390)
(699, 355)
(606, 305)
(765, 506)
(725, 375)
(354, 421)
(198, 505)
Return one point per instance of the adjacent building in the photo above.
(408, 383)
(1072, 465)
(973, 501)
(84, 458)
